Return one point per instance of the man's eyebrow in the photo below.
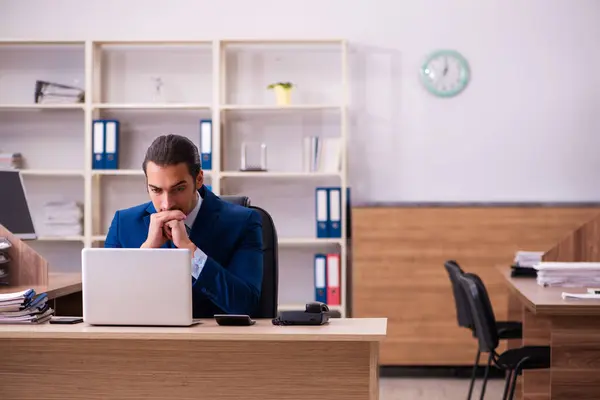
(175, 185)
(178, 184)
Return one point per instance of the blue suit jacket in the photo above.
(230, 235)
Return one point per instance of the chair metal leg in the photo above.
(474, 374)
(516, 373)
(507, 384)
(485, 375)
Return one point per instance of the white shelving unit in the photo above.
(221, 80)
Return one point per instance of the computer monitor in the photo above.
(14, 208)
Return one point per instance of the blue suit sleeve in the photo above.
(236, 289)
(112, 238)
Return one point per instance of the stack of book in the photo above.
(25, 307)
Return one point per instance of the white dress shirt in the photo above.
(198, 258)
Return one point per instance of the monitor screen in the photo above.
(14, 209)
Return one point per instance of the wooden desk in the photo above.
(63, 289)
(335, 361)
(571, 327)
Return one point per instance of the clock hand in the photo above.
(445, 66)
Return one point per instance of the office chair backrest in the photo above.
(463, 309)
(484, 320)
(243, 201)
(268, 301)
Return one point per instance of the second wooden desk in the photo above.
(570, 327)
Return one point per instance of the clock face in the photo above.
(445, 73)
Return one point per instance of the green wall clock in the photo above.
(445, 73)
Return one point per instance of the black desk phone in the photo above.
(316, 313)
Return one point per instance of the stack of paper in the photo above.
(24, 308)
(528, 258)
(61, 218)
(568, 274)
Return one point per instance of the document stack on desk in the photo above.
(25, 307)
(528, 258)
(568, 274)
(524, 261)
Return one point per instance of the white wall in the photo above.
(526, 129)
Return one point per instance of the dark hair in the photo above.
(171, 150)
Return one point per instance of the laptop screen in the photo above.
(14, 209)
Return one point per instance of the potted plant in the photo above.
(283, 91)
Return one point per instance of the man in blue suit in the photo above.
(225, 240)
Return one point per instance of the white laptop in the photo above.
(143, 287)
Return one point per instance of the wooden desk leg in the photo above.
(374, 372)
(575, 358)
(138, 369)
(536, 332)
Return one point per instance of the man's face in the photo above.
(172, 187)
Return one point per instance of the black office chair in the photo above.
(506, 329)
(268, 302)
(512, 361)
(239, 200)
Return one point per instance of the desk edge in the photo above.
(212, 337)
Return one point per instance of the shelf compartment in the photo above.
(312, 66)
(52, 141)
(139, 128)
(40, 191)
(291, 203)
(297, 278)
(22, 63)
(178, 72)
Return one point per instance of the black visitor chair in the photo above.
(512, 361)
(505, 329)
